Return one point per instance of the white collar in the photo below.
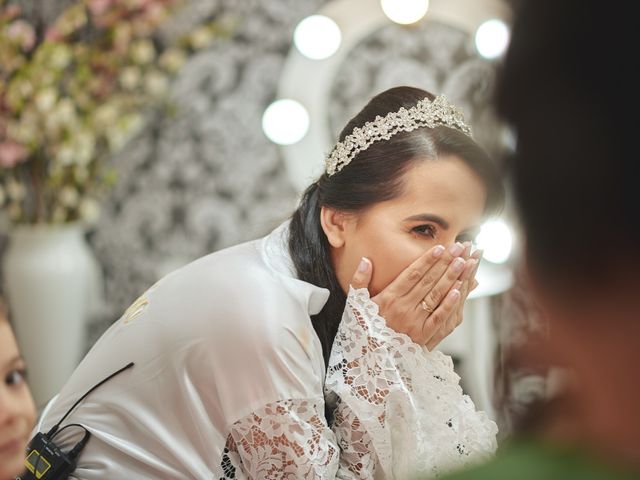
(275, 253)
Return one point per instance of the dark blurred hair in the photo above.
(567, 90)
(4, 313)
(374, 175)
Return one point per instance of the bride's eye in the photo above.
(425, 230)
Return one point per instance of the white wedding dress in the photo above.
(229, 382)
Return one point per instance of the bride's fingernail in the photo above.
(456, 249)
(437, 251)
(364, 265)
(458, 264)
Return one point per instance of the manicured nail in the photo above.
(456, 249)
(472, 263)
(455, 294)
(364, 265)
(458, 264)
(437, 251)
(478, 254)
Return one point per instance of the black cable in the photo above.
(73, 453)
(65, 427)
(54, 429)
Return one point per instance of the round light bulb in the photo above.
(317, 37)
(404, 11)
(285, 121)
(492, 38)
(496, 240)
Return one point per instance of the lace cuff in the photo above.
(407, 399)
(291, 439)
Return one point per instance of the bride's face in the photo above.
(442, 202)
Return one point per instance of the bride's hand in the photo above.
(465, 284)
(423, 296)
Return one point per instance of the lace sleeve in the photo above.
(290, 439)
(406, 398)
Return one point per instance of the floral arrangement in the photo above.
(72, 93)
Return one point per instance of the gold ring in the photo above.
(425, 307)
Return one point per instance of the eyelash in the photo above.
(425, 230)
(11, 380)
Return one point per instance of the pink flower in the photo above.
(52, 34)
(97, 7)
(11, 153)
(22, 33)
(10, 12)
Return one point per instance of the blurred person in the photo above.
(568, 88)
(309, 353)
(17, 409)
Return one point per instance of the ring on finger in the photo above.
(426, 307)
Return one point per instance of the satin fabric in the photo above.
(211, 342)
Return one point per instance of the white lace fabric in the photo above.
(398, 411)
(285, 439)
(407, 399)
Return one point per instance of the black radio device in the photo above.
(45, 460)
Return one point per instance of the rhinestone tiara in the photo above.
(425, 113)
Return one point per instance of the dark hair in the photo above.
(4, 312)
(373, 176)
(573, 107)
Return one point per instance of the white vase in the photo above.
(50, 277)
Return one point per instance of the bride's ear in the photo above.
(335, 224)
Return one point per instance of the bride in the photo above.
(309, 353)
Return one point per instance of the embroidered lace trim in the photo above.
(408, 399)
(290, 439)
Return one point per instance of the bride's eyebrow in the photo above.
(428, 217)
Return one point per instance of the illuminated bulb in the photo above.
(404, 11)
(492, 38)
(285, 122)
(317, 37)
(496, 240)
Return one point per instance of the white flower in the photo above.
(89, 210)
(130, 77)
(45, 99)
(65, 111)
(84, 145)
(156, 83)
(68, 196)
(142, 52)
(105, 115)
(173, 59)
(201, 37)
(63, 115)
(61, 57)
(65, 155)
